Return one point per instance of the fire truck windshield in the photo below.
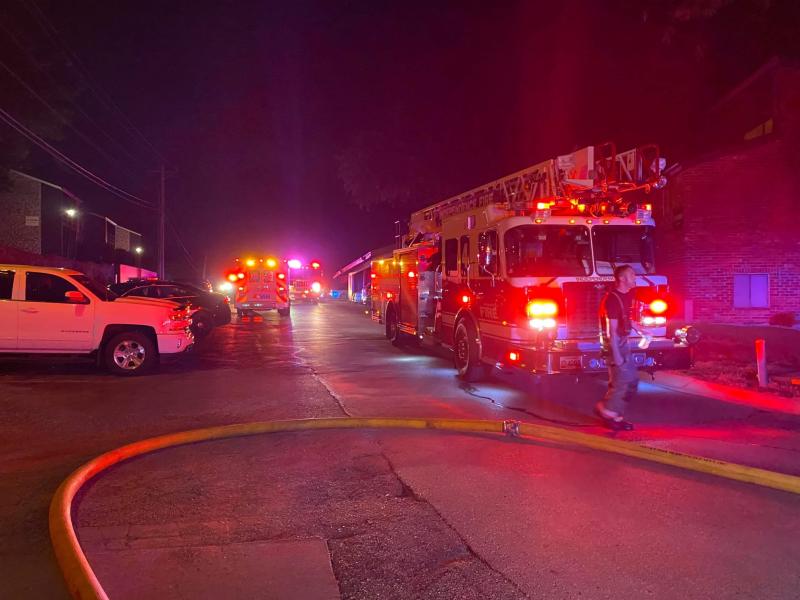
(616, 245)
(547, 250)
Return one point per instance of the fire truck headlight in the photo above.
(541, 324)
(316, 287)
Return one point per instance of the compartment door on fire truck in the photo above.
(409, 301)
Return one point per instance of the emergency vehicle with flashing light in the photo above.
(305, 281)
(260, 284)
(511, 274)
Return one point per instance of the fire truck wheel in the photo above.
(466, 352)
(392, 330)
(284, 312)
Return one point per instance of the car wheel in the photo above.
(130, 353)
(466, 352)
(202, 324)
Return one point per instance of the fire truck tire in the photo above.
(392, 330)
(284, 312)
(466, 352)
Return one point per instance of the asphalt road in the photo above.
(396, 514)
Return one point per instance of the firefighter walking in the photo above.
(616, 325)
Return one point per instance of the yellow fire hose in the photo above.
(83, 584)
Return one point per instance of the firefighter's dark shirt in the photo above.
(616, 305)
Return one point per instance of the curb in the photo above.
(83, 584)
(724, 393)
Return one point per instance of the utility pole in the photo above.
(162, 226)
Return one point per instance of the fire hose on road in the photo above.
(82, 582)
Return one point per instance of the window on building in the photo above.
(451, 256)
(43, 287)
(751, 290)
(6, 284)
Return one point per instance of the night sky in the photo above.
(256, 106)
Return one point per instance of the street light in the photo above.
(71, 213)
(138, 249)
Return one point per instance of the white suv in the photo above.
(46, 310)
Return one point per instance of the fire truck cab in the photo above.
(511, 274)
(260, 284)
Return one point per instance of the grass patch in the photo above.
(726, 354)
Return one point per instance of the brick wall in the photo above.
(736, 213)
(22, 199)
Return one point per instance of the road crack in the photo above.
(408, 491)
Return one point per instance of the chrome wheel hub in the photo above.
(129, 355)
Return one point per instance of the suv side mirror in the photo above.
(74, 297)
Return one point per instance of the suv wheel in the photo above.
(130, 353)
(202, 324)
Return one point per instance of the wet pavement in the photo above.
(467, 516)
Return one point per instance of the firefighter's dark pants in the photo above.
(623, 381)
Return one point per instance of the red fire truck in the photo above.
(511, 274)
(305, 281)
(260, 284)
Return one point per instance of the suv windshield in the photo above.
(547, 250)
(616, 245)
(94, 287)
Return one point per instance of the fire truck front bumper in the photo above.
(261, 305)
(577, 357)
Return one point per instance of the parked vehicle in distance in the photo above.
(46, 310)
(212, 309)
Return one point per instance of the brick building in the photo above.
(729, 232)
(35, 218)
(45, 224)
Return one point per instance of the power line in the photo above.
(15, 40)
(189, 259)
(61, 157)
(55, 111)
(53, 33)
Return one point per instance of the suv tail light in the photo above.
(178, 320)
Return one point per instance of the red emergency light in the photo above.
(658, 306)
(315, 264)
